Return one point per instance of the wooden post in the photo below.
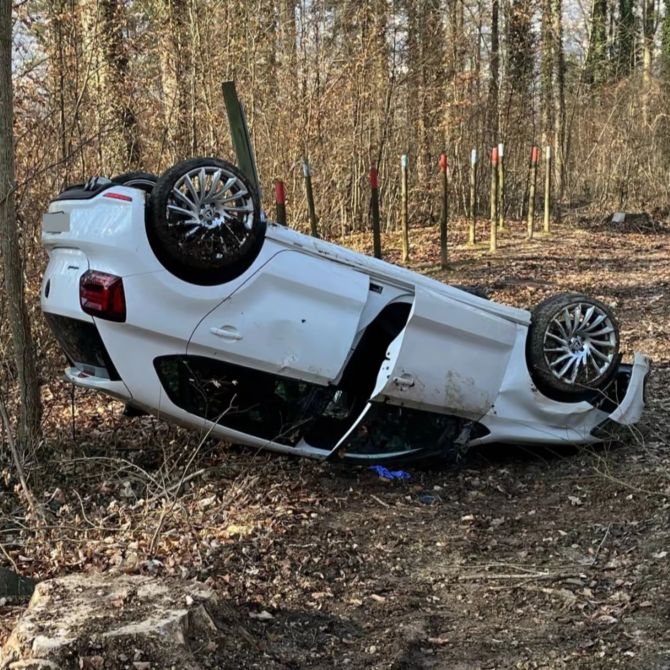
(473, 197)
(404, 166)
(444, 219)
(501, 186)
(310, 198)
(494, 200)
(547, 187)
(280, 202)
(374, 211)
(534, 156)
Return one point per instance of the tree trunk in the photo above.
(494, 82)
(175, 55)
(19, 324)
(596, 60)
(547, 72)
(116, 86)
(559, 99)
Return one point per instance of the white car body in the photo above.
(299, 312)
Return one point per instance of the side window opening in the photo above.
(279, 408)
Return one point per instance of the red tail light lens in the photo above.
(101, 295)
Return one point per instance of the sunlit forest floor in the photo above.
(519, 558)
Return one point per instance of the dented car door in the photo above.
(451, 357)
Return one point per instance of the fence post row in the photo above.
(547, 188)
(404, 167)
(374, 211)
(534, 157)
(310, 198)
(444, 219)
(493, 243)
(501, 186)
(280, 202)
(473, 196)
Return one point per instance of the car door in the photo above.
(297, 317)
(450, 358)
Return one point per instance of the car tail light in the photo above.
(101, 295)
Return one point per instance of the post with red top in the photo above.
(501, 186)
(280, 202)
(473, 197)
(547, 187)
(310, 198)
(374, 212)
(534, 158)
(404, 218)
(494, 199)
(444, 219)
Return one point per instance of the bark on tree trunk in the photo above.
(175, 64)
(546, 72)
(19, 324)
(559, 99)
(494, 83)
(115, 84)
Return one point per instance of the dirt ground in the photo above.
(519, 558)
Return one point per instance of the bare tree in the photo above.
(22, 343)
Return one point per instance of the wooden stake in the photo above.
(493, 244)
(280, 202)
(473, 197)
(374, 212)
(534, 156)
(501, 186)
(444, 219)
(310, 198)
(547, 187)
(404, 219)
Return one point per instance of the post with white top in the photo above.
(501, 186)
(473, 197)
(534, 157)
(310, 198)
(547, 187)
(404, 219)
(493, 240)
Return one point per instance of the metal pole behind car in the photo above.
(547, 188)
(313, 221)
(473, 197)
(444, 219)
(240, 135)
(534, 155)
(374, 212)
(501, 186)
(493, 243)
(404, 219)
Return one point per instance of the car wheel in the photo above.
(572, 347)
(205, 223)
(144, 181)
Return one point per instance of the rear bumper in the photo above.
(116, 389)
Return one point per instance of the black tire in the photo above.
(145, 181)
(572, 328)
(202, 239)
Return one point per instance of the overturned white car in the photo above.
(175, 295)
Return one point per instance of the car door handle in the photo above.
(226, 332)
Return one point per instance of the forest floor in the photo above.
(522, 558)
